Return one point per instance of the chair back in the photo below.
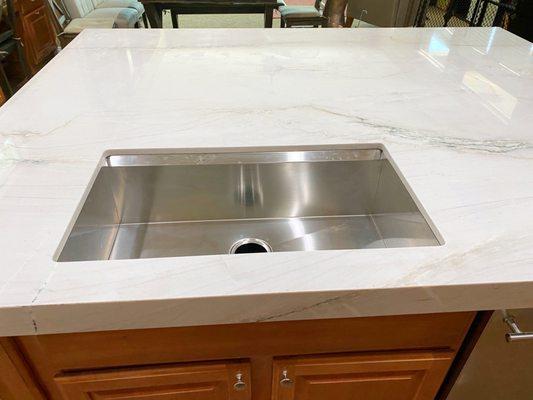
(60, 14)
(78, 8)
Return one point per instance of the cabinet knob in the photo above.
(240, 384)
(285, 380)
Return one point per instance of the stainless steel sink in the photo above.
(239, 200)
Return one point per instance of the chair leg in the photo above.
(22, 60)
(145, 20)
(174, 17)
(4, 83)
(154, 15)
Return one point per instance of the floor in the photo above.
(435, 17)
(219, 21)
(228, 21)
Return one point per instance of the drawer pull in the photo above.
(285, 380)
(516, 333)
(240, 384)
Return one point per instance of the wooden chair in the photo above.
(9, 43)
(302, 16)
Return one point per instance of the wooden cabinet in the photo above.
(35, 28)
(219, 381)
(378, 358)
(27, 6)
(39, 35)
(386, 376)
(16, 378)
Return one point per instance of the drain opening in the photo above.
(250, 245)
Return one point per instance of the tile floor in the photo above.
(229, 20)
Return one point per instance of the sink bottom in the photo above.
(171, 239)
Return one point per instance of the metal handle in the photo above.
(516, 333)
(240, 384)
(285, 380)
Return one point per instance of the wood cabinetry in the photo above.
(386, 376)
(220, 381)
(39, 35)
(379, 358)
(36, 31)
(16, 378)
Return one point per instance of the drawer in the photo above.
(28, 6)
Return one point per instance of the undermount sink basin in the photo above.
(241, 200)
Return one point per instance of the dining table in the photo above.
(155, 8)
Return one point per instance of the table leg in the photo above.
(174, 17)
(269, 16)
(154, 16)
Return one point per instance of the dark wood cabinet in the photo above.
(376, 358)
(36, 32)
(39, 35)
(27, 6)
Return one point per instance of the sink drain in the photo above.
(250, 245)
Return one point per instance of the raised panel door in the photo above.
(217, 381)
(379, 376)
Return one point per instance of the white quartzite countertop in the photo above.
(454, 107)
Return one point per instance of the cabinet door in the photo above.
(379, 376)
(27, 6)
(221, 381)
(39, 35)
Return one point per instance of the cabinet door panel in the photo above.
(384, 376)
(193, 382)
(39, 35)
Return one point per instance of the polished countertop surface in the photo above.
(453, 107)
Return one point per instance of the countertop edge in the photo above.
(165, 313)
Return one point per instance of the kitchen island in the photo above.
(452, 109)
(451, 106)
